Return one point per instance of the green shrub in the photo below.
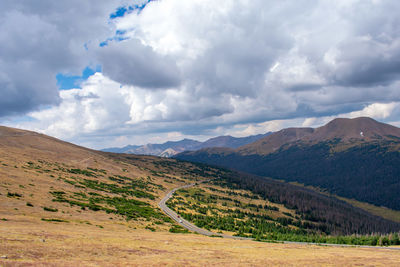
(178, 229)
(13, 194)
(150, 228)
(50, 209)
(54, 220)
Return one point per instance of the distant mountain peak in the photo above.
(169, 152)
(171, 148)
(345, 130)
(274, 141)
(362, 128)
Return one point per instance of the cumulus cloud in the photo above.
(199, 67)
(378, 111)
(100, 104)
(39, 40)
(132, 63)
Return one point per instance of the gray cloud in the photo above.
(198, 66)
(132, 63)
(39, 39)
(368, 50)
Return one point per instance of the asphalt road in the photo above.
(182, 222)
(191, 227)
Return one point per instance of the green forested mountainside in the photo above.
(314, 213)
(368, 172)
(45, 177)
(225, 206)
(332, 215)
(355, 158)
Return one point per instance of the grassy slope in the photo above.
(44, 179)
(33, 166)
(393, 215)
(212, 201)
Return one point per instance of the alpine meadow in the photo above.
(199, 133)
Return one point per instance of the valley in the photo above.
(199, 133)
(62, 204)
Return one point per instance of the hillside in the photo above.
(50, 180)
(354, 158)
(172, 148)
(260, 208)
(41, 174)
(345, 131)
(55, 196)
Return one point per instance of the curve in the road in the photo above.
(191, 227)
(184, 223)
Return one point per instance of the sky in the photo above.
(106, 73)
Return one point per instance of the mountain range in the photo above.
(45, 180)
(171, 148)
(354, 158)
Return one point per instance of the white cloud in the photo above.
(100, 104)
(376, 110)
(39, 39)
(199, 67)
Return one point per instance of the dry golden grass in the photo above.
(240, 197)
(90, 238)
(234, 194)
(384, 212)
(29, 242)
(33, 165)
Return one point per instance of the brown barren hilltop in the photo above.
(347, 131)
(276, 140)
(65, 205)
(362, 129)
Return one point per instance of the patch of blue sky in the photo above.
(119, 36)
(116, 38)
(123, 10)
(120, 32)
(120, 12)
(66, 81)
(105, 43)
(13, 121)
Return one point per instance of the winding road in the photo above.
(184, 223)
(191, 227)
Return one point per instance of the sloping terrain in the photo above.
(54, 180)
(354, 158)
(256, 207)
(66, 205)
(47, 180)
